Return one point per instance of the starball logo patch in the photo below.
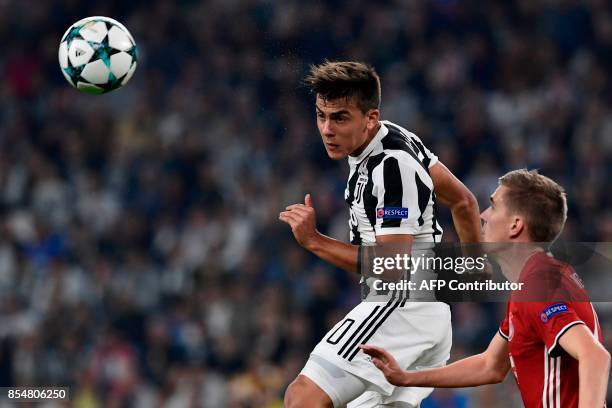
(392, 212)
(550, 311)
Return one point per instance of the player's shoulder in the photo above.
(397, 136)
(405, 146)
(397, 142)
(543, 263)
(550, 279)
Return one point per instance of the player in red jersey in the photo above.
(553, 346)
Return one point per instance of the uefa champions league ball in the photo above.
(97, 55)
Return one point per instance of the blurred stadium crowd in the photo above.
(141, 260)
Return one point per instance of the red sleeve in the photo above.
(504, 327)
(550, 320)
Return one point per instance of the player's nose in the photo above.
(327, 129)
(484, 216)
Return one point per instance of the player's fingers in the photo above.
(380, 353)
(287, 218)
(308, 200)
(379, 364)
(302, 211)
(372, 350)
(290, 217)
(299, 207)
(287, 215)
(298, 216)
(283, 218)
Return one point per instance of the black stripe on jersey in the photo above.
(396, 140)
(419, 145)
(424, 194)
(434, 219)
(369, 200)
(357, 341)
(371, 333)
(351, 196)
(358, 329)
(394, 190)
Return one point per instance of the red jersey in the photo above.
(546, 375)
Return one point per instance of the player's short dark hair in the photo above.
(346, 79)
(539, 199)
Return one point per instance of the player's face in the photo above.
(497, 220)
(344, 128)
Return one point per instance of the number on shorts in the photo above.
(335, 337)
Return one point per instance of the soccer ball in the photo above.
(97, 55)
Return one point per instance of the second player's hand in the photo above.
(302, 219)
(385, 362)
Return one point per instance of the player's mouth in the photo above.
(332, 146)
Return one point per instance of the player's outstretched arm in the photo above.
(593, 365)
(489, 367)
(462, 203)
(302, 219)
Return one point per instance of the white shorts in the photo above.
(417, 334)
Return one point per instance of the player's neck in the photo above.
(371, 135)
(513, 259)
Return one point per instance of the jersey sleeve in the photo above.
(424, 155)
(550, 320)
(432, 158)
(504, 327)
(402, 194)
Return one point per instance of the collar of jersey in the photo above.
(382, 132)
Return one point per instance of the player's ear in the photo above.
(517, 226)
(372, 117)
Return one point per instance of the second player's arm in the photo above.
(593, 365)
(489, 367)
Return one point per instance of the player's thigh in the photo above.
(401, 397)
(303, 392)
(338, 385)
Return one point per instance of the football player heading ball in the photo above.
(392, 189)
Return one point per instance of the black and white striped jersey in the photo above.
(389, 190)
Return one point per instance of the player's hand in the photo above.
(302, 219)
(385, 362)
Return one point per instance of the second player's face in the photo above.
(496, 219)
(342, 125)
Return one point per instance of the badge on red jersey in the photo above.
(552, 310)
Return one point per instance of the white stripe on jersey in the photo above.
(392, 172)
(551, 390)
(551, 383)
(544, 394)
(558, 382)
